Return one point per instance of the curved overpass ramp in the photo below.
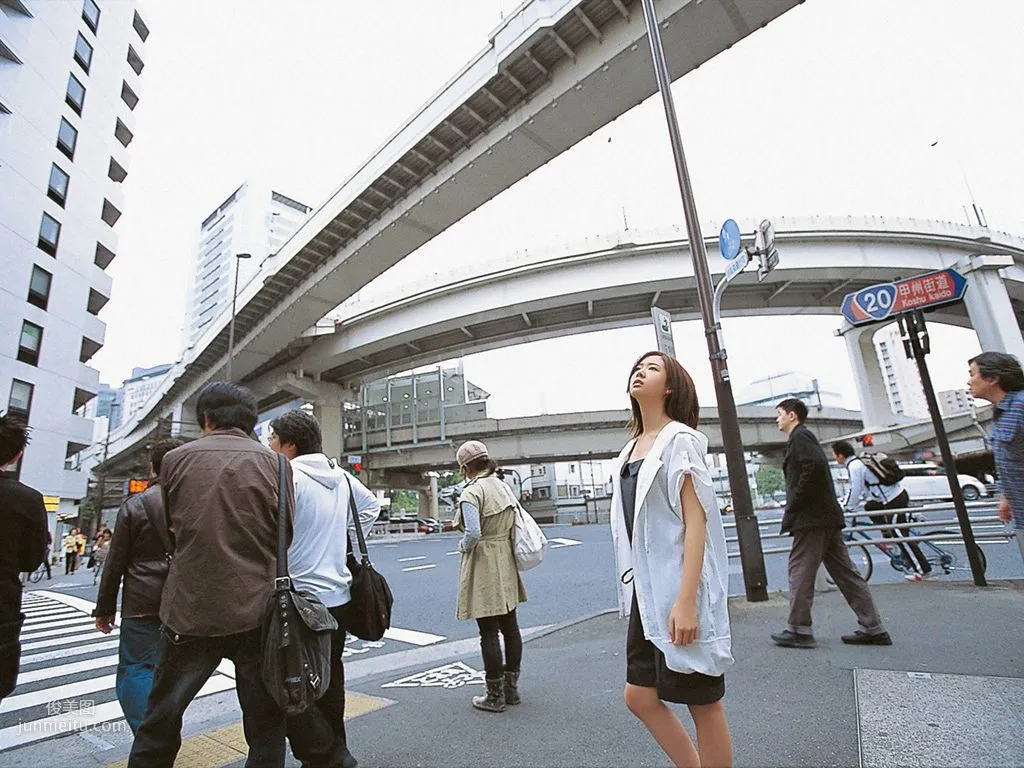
(614, 282)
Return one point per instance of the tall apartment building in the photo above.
(254, 219)
(69, 82)
(139, 386)
(954, 401)
(901, 379)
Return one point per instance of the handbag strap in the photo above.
(159, 526)
(354, 514)
(282, 542)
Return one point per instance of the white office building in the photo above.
(901, 379)
(136, 389)
(954, 401)
(254, 220)
(69, 82)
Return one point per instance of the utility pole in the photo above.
(751, 556)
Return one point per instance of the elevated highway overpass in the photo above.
(614, 281)
(601, 435)
(550, 75)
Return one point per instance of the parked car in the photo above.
(447, 525)
(428, 526)
(928, 481)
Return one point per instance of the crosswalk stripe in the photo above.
(70, 640)
(64, 653)
(412, 637)
(45, 616)
(57, 632)
(59, 725)
(61, 692)
(47, 673)
(68, 621)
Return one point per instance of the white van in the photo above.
(928, 481)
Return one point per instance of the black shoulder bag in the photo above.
(296, 640)
(368, 613)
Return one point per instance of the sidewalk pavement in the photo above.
(949, 692)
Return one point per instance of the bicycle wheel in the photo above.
(37, 575)
(861, 559)
(982, 558)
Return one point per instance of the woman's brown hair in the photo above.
(680, 402)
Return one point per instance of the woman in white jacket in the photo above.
(673, 567)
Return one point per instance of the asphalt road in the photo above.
(576, 579)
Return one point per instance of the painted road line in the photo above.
(81, 650)
(59, 693)
(410, 559)
(225, 746)
(57, 632)
(70, 640)
(456, 552)
(48, 673)
(68, 621)
(559, 543)
(419, 568)
(412, 637)
(60, 725)
(44, 616)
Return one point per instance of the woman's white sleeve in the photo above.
(684, 459)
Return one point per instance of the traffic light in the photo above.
(867, 440)
(137, 486)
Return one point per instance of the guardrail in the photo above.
(935, 538)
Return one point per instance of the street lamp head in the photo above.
(243, 255)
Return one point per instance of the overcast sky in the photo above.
(831, 109)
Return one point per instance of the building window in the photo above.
(49, 234)
(83, 52)
(39, 287)
(91, 14)
(20, 401)
(58, 191)
(135, 61)
(128, 96)
(543, 493)
(29, 343)
(75, 96)
(67, 138)
(140, 27)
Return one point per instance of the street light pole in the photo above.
(234, 298)
(752, 558)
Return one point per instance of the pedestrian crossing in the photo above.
(66, 681)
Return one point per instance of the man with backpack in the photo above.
(878, 476)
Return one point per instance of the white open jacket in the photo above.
(655, 560)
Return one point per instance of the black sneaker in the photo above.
(788, 639)
(863, 638)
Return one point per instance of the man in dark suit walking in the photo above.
(814, 519)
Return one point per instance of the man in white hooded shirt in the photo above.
(316, 563)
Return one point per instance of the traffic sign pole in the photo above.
(751, 556)
(912, 326)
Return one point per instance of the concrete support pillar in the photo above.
(428, 500)
(328, 416)
(327, 399)
(867, 375)
(988, 305)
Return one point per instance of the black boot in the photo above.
(512, 688)
(494, 701)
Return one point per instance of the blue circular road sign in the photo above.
(729, 241)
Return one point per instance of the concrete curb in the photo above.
(570, 623)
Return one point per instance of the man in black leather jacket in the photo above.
(138, 555)
(814, 519)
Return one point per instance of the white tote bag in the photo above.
(530, 543)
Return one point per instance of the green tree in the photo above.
(403, 502)
(770, 480)
(449, 477)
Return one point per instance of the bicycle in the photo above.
(37, 575)
(936, 556)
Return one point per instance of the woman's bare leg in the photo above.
(713, 740)
(663, 725)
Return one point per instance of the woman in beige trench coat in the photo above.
(489, 583)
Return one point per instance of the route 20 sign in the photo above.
(885, 300)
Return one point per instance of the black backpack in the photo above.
(884, 468)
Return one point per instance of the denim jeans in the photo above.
(140, 642)
(184, 665)
(317, 736)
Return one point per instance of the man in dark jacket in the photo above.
(139, 555)
(220, 496)
(814, 519)
(22, 546)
